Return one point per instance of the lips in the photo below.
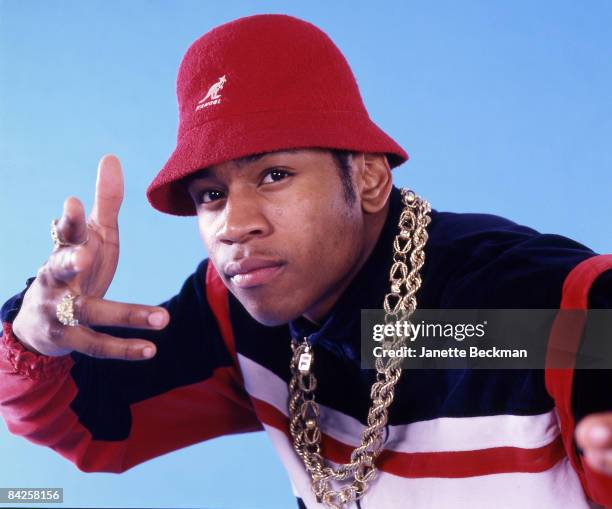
(251, 272)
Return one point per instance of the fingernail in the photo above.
(599, 434)
(148, 352)
(156, 319)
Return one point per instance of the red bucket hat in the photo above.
(259, 84)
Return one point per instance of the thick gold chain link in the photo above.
(399, 304)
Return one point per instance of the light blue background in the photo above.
(504, 107)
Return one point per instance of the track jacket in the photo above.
(455, 438)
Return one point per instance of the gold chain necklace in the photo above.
(304, 412)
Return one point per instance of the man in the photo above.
(291, 183)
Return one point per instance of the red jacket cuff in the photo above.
(29, 364)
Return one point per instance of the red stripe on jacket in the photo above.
(446, 464)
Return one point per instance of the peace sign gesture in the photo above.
(78, 273)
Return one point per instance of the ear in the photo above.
(375, 182)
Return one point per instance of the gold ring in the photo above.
(59, 242)
(65, 310)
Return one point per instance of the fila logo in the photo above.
(212, 96)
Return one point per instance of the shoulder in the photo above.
(475, 230)
(485, 260)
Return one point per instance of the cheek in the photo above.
(208, 243)
(208, 240)
(325, 239)
(207, 233)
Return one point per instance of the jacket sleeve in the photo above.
(108, 415)
(580, 392)
(511, 266)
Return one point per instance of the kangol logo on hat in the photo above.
(212, 96)
(291, 88)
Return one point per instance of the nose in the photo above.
(243, 219)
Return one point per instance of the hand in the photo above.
(594, 437)
(87, 271)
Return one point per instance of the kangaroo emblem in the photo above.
(212, 96)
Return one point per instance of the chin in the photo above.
(269, 316)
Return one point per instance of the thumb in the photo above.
(595, 432)
(594, 437)
(109, 192)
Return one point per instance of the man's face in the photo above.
(280, 232)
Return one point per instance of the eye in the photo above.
(209, 195)
(275, 175)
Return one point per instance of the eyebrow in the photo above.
(241, 162)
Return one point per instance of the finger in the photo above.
(601, 461)
(64, 264)
(595, 432)
(105, 346)
(95, 311)
(72, 226)
(109, 192)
